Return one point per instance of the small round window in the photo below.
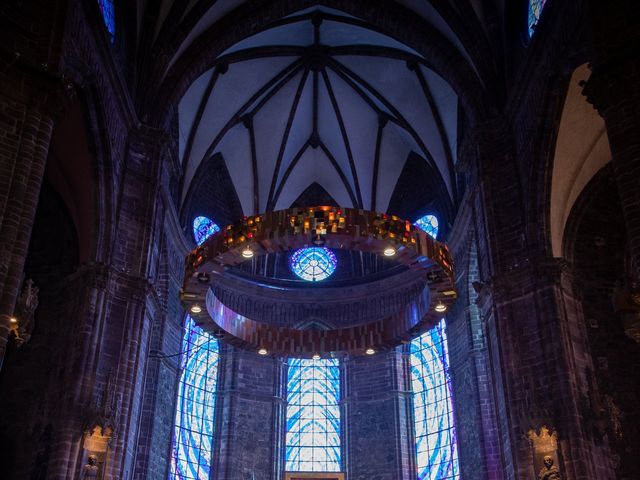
(313, 264)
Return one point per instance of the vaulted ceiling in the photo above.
(319, 100)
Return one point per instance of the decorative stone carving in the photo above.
(104, 411)
(626, 303)
(91, 469)
(25, 309)
(545, 453)
(549, 471)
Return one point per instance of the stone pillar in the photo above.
(543, 372)
(106, 368)
(477, 433)
(539, 363)
(613, 89)
(249, 417)
(378, 434)
(25, 132)
(163, 365)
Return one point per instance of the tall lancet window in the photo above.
(109, 18)
(313, 416)
(535, 10)
(437, 454)
(193, 432)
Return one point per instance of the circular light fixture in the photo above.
(316, 356)
(196, 308)
(294, 230)
(313, 264)
(204, 277)
(440, 307)
(247, 253)
(13, 320)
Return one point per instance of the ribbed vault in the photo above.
(319, 99)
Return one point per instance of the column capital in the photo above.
(612, 84)
(532, 274)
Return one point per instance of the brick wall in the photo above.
(378, 438)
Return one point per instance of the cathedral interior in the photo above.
(336, 239)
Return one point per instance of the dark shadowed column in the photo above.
(25, 134)
(107, 360)
(540, 365)
(613, 89)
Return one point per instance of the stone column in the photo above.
(378, 434)
(155, 434)
(477, 433)
(613, 89)
(249, 417)
(25, 132)
(542, 368)
(538, 353)
(106, 368)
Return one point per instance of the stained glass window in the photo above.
(428, 223)
(193, 432)
(108, 15)
(437, 454)
(313, 416)
(313, 264)
(535, 10)
(203, 228)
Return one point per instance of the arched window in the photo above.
(203, 228)
(428, 223)
(535, 10)
(193, 432)
(108, 15)
(437, 454)
(313, 416)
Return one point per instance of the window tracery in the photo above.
(435, 433)
(428, 223)
(193, 431)
(313, 416)
(313, 264)
(203, 228)
(535, 10)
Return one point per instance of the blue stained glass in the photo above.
(535, 10)
(437, 453)
(313, 264)
(203, 228)
(193, 432)
(428, 223)
(313, 416)
(108, 15)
